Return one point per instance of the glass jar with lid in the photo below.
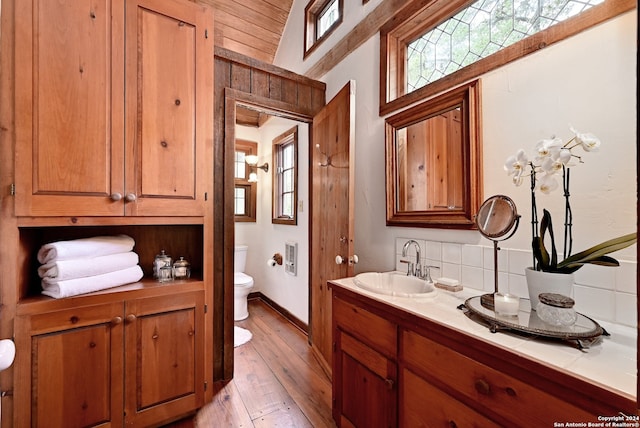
(181, 269)
(160, 261)
(556, 309)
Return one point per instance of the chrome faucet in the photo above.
(413, 269)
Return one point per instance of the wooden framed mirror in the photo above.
(434, 161)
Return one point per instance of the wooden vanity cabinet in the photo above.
(85, 146)
(135, 362)
(364, 367)
(438, 376)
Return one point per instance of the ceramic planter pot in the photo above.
(547, 282)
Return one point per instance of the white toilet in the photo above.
(242, 283)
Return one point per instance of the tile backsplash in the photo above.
(603, 293)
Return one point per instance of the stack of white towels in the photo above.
(85, 265)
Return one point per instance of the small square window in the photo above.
(321, 18)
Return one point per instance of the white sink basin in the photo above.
(394, 284)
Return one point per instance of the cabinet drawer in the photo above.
(422, 405)
(76, 317)
(502, 394)
(375, 331)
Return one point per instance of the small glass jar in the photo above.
(161, 260)
(181, 269)
(556, 309)
(165, 273)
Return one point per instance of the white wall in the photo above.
(587, 81)
(264, 238)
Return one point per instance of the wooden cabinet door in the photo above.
(69, 368)
(164, 357)
(69, 139)
(364, 391)
(169, 106)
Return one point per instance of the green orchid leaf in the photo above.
(545, 263)
(600, 261)
(540, 253)
(595, 253)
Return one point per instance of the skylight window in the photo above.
(321, 18)
(327, 17)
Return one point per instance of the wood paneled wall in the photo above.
(279, 91)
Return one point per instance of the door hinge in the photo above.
(205, 308)
(12, 189)
(206, 33)
(205, 196)
(205, 385)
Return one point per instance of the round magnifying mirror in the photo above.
(497, 218)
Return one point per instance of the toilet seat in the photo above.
(242, 279)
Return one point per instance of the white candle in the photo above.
(506, 304)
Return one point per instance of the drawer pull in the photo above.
(116, 320)
(389, 383)
(510, 392)
(482, 386)
(131, 318)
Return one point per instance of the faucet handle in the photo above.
(409, 266)
(427, 273)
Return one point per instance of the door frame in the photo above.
(232, 98)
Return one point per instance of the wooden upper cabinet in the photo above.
(169, 77)
(83, 147)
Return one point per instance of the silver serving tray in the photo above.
(585, 331)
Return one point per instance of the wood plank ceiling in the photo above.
(250, 27)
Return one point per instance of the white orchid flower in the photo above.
(545, 148)
(516, 165)
(588, 141)
(557, 159)
(547, 183)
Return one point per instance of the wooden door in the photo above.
(164, 357)
(69, 61)
(70, 368)
(169, 66)
(332, 234)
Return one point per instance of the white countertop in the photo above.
(611, 362)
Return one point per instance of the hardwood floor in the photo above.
(277, 379)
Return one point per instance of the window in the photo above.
(321, 18)
(245, 191)
(452, 41)
(285, 177)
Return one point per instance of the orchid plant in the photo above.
(553, 160)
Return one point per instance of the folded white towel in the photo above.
(81, 268)
(85, 248)
(73, 287)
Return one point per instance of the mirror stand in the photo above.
(497, 220)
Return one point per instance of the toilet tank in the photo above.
(240, 258)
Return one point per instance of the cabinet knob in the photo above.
(130, 197)
(339, 260)
(453, 424)
(482, 386)
(116, 320)
(131, 318)
(116, 196)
